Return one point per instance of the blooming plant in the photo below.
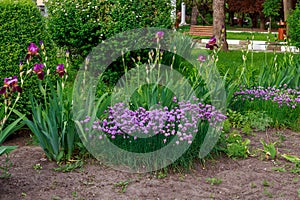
(152, 107)
(281, 96)
(124, 122)
(52, 119)
(8, 90)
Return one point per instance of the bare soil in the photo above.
(251, 178)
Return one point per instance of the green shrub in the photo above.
(81, 25)
(21, 23)
(294, 28)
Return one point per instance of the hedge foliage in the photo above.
(80, 25)
(20, 24)
(294, 28)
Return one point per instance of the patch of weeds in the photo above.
(226, 126)
(74, 194)
(279, 169)
(235, 118)
(298, 193)
(267, 193)
(265, 183)
(122, 185)
(247, 130)
(236, 147)
(253, 185)
(4, 168)
(23, 194)
(54, 197)
(69, 166)
(269, 150)
(257, 120)
(214, 181)
(282, 138)
(37, 167)
(161, 174)
(295, 160)
(295, 180)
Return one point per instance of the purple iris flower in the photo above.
(10, 84)
(212, 43)
(32, 51)
(38, 69)
(60, 69)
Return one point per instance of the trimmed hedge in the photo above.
(20, 24)
(294, 28)
(80, 25)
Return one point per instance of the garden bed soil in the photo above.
(250, 178)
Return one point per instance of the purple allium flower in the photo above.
(160, 34)
(202, 58)
(60, 69)
(10, 85)
(38, 69)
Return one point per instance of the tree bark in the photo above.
(219, 23)
(262, 21)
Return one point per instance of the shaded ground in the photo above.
(251, 178)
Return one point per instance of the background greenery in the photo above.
(20, 24)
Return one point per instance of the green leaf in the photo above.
(7, 149)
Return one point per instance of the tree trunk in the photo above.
(219, 23)
(287, 6)
(262, 21)
(195, 14)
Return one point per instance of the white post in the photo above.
(182, 23)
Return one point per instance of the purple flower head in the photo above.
(160, 34)
(10, 84)
(32, 51)
(212, 40)
(60, 69)
(38, 69)
(202, 58)
(212, 43)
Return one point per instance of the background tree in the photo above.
(251, 7)
(219, 23)
(271, 8)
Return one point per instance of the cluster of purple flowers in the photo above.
(282, 95)
(38, 69)
(182, 120)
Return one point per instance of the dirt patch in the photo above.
(251, 178)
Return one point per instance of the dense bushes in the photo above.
(294, 28)
(81, 25)
(20, 24)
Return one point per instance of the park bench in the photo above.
(197, 30)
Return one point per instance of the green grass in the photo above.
(233, 59)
